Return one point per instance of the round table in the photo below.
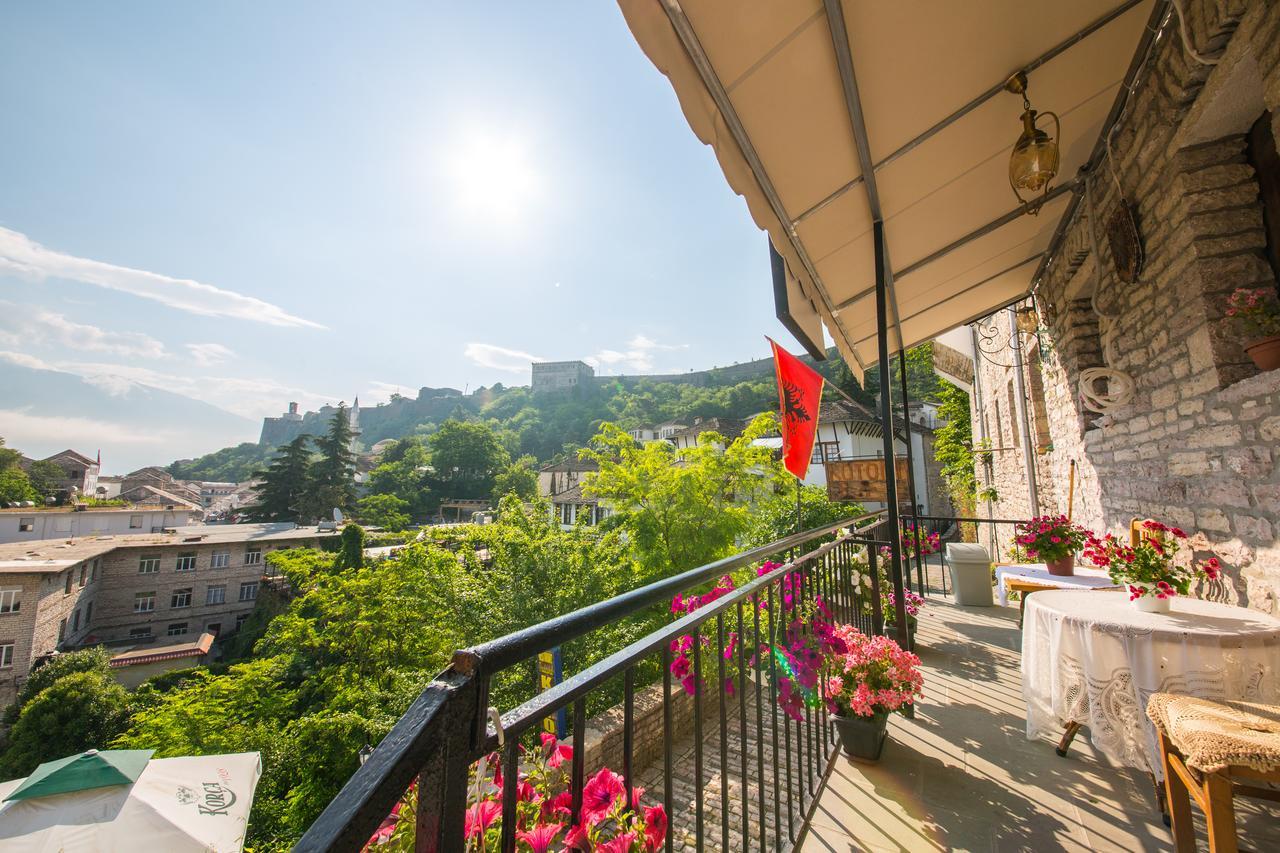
(1092, 659)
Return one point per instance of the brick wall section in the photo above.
(45, 607)
(1197, 445)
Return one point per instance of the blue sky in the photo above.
(251, 203)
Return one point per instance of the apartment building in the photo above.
(57, 594)
(37, 523)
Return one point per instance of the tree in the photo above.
(82, 710)
(519, 479)
(45, 477)
(775, 517)
(333, 473)
(14, 486)
(282, 494)
(466, 457)
(683, 508)
(351, 552)
(93, 659)
(230, 464)
(404, 472)
(385, 511)
(953, 448)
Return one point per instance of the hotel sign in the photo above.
(861, 479)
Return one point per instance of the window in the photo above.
(75, 620)
(135, 522)
(181, 597)
(216, 594)
(177, 629)
(241, 619)
(88, 614)
(70, 579)
(186, 563)
(10, 601)
(139, 633)
(220, 559)
(249, 591)
(214, 628)
(6, 655)
(93, 570)
(26, 525)
(825, 451)
(148, 565)
(84, 573)
(144, 602)
(253, 557)
(62, 630)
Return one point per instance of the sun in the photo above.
(493, 176)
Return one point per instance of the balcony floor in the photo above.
(963, 776)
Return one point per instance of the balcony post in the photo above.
(911, 470)
(886, 420)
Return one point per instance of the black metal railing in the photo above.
(450, 726)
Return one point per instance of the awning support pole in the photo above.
(886, 420)
(911, 473)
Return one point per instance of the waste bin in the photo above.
(970, 566)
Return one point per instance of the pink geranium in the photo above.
(874, 676)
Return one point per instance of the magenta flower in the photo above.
(480, 816)
(540, 837)
(600, 794)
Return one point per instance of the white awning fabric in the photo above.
(760, 82)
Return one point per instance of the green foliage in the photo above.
(385, 511)
(282, 493)
(953, 447)
(332, 481)
(467, 457)
(45, 477)
(15, 486)
(78, 711)
(519, 479)
(351, 555)
(775, 518)
(92, 659)
(228, 465)
(686, 507)
(923, 382)
(404, 472)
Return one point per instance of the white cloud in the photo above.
(20, 255)
(24, 326)
(21, 359)
(22, 428)
(207, 355)
(636, 358)
(500, 358)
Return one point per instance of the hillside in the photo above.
(545, 426)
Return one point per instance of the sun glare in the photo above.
(493, 177)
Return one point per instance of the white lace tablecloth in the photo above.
(1092, 658)
(1039, 573)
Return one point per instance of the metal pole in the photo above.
(984, 458)
(911, 470)
(886, 420)
(1028, 452)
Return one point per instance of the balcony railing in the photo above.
(451, 725)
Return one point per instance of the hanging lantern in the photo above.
(1034, 161)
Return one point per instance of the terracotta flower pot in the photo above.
(1265, 352)
(862, 737)
(1063, 566)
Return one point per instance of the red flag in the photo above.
(799, 398)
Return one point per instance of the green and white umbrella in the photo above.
(122, 800)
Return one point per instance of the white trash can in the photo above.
(970, 567)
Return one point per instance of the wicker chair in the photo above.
(1213, 752)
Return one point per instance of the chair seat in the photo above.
(1212, 736)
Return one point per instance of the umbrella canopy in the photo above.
(194, 803)
(92, 769)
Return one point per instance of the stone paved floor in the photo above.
(962, 775)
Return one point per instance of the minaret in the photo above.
(355, 421)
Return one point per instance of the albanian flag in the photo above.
(799, 396)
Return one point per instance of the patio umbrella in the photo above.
(122, 800)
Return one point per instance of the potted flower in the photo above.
(912, 602)
(866, 682)
(1147, 570)
(1052, 539)
(1257, 308)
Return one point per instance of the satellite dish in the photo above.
(337, 515)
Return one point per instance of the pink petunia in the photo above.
(655, 828)
(618, 844)
(480, 816)
(600, 794)
(540, 837)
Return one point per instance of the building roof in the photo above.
(570, 465)
(573, 496)
(155, 654)
(152, 496)
(730, 428)
(79, 457)
(843, 410)
(33, 553)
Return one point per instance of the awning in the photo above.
(795, 97)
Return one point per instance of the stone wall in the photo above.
(1196, 445)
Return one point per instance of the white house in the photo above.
(24, 524)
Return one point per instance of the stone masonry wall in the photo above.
(1197, 444)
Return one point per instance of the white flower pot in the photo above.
(1151, 604)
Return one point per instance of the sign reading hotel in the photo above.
(861, 479)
